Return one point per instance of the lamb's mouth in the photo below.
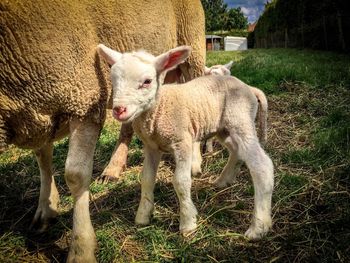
(124, 117)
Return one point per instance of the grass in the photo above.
(308, 141)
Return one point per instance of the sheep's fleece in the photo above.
(53, 83)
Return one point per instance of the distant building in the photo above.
(251, 27)
(213, 42)
(235, 43)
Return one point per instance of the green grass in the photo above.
(308, 141)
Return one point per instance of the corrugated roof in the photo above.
(211, 36)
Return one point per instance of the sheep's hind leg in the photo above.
(182, 184)
(3, 137)
(78, 170)
(119, 157)
(150, 166)
(232, 167)
(49, 197)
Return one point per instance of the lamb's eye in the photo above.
(146, 83)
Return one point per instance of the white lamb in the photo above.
(173, 118)
(225, 70)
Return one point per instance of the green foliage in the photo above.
(273, 70)
(219, 17)
(314, 24)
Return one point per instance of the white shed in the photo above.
(235, 43)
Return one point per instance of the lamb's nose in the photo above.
(119, 110)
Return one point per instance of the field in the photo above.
(308, 141)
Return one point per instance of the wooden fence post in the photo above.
(325, 32)
(340, 28)
(285, 38)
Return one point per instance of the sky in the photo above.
(250, 8)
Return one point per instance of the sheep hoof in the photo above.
(82, 250)
(41, 223)
(39, 226)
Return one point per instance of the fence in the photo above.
(325, 30)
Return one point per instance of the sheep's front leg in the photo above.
(82, 142)
(182, 184)
(150, 166)
(119, 157)
(49, 197)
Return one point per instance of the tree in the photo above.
(214, 14)
(219, 17)
(236, 19)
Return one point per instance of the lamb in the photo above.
(189, 30)
(53, 84)
(220, 70)
(225, 70)
(172, 118)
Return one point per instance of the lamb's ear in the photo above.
(110, 55)
(228, 65)
(172, 58)
(207, 70)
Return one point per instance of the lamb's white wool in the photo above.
(174, 118)
(225, 70)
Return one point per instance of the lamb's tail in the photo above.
(262, 114)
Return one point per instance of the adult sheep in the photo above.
(53, 84)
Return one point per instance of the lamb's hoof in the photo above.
(196, 171)
(110, 174)
(221, 184)
(104, 179)
(257, 232)
(188, 230)
(142, 220)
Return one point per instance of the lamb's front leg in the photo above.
(182, 184)
(150, 166)
(49, 197)
(119, 157)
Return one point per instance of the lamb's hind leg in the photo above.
(196, 159)
(78, 170)
(182, 184)
(261, 170)
(150, 166)
(49, 197)
(232, 167)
